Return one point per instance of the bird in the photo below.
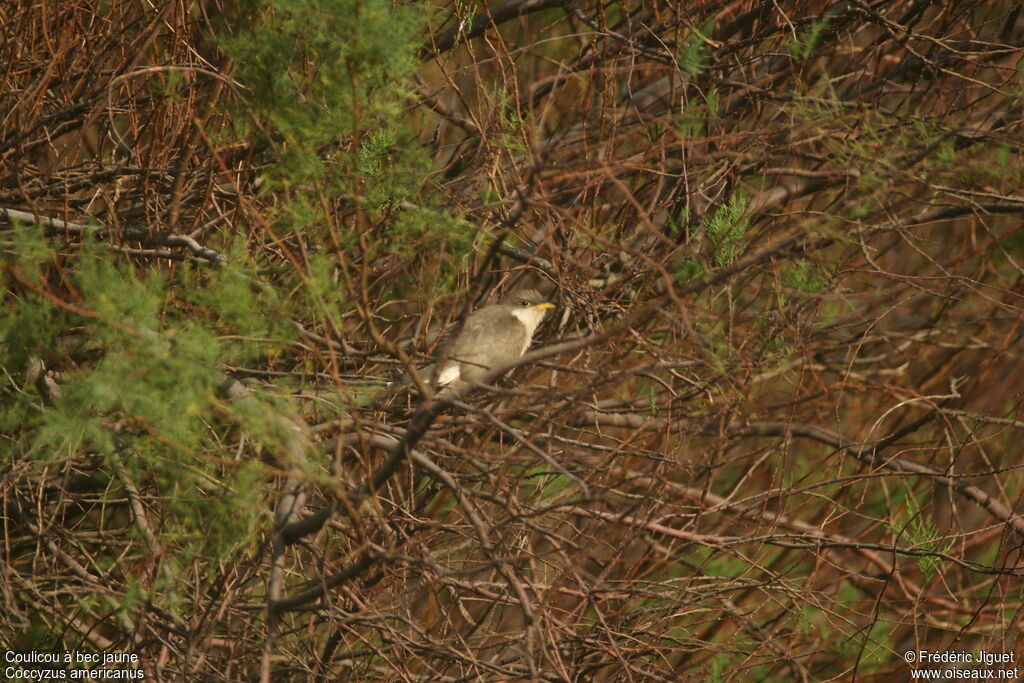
(491, 336)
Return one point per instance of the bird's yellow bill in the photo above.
(544, 306)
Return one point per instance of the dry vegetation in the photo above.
(773, 432)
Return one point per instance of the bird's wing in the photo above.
(491, 336)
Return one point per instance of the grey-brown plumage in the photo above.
(491, 336)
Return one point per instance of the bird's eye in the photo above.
(525, 303)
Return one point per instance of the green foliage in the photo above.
(31, 331)
(236, 304)
(798, 275)
(144, 353)
(711, 99)
(489, 196)
(324, 80)
(809, 621)
(725, 228)
(649, 391)
(946, 151)
(803, 45)
(721, 665)
(918, 528)
(695, 116)
(150, 375)
(555, 484)
(692, 121)
(715, 563)
(688, 269)
(233, 513)
(801, 276)
(415, 226)
(692, 58)
(675, 225)
(872, 649)
(318, 69)
(588, 238)
(134, 595)
(32, 252)
(390, 167)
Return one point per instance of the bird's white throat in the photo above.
(530, 318)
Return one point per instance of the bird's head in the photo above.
(527, 305)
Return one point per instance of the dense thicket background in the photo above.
(774, 429)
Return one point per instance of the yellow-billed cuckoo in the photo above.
(491, 336)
